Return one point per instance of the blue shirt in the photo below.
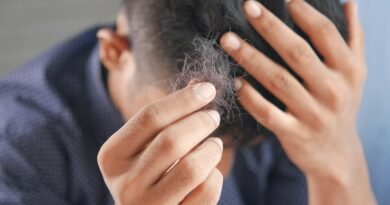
(55, 115)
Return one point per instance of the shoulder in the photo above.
(35, 95)
(33, 146)
(28, 105)
(35, 137)
(33, 98)
(43, 150)
(29, 129)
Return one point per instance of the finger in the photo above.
(191, 171)
(291, 47)
(208, 192)
(355, 30)
(275, 78)
(194, 81)
(144, 126)
(175, 141)
(263, 111)
(322, 32)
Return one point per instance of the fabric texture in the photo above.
(55, 115)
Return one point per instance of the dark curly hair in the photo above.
(184, 34)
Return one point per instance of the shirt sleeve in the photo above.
(32, 166)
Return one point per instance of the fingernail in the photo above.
(215, 116)
(252, 8)
(237, 84)
(218, 141)
(204, 90)
(232, 42)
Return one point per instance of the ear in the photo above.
(114, 49)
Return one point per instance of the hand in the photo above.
(156, 157)
(318, 130)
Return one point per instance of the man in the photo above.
(58, 112)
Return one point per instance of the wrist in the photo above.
(338, 189)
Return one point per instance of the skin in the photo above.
(158, 157)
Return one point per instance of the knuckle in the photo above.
(193, 173)
(168, 144)
(151, 115)
(335, 96)
(266, 117)
(269, 25)
(336, 99)
(185, 99)
(300, 53)
(281, 80)
(325, 27)
(318, 119)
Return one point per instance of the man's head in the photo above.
(161, 45)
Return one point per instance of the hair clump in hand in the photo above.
(208, 63)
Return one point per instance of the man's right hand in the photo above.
(161, 156)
